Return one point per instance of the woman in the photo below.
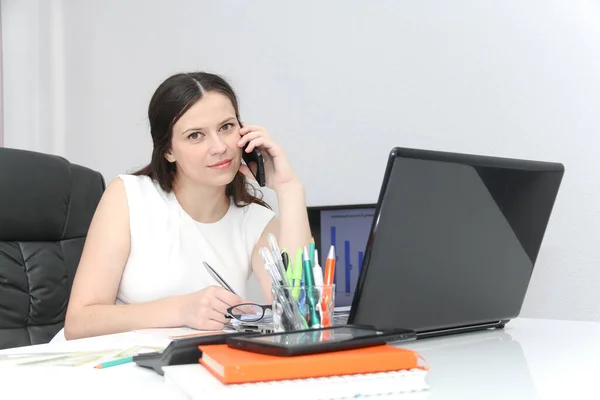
(141, 265)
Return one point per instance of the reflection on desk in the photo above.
(529, 359)
(488, 364)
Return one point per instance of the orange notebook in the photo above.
(238, 366)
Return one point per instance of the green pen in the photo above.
(114, 363)
(297, 274)
(309, 281)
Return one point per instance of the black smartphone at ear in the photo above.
(255, 156)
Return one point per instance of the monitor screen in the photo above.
(346, 227)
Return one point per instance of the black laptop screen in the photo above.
(456, 240)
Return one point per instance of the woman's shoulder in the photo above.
(255, 210)
(130, 179)
(142, 190)
(141, 183)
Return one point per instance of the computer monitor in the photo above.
(454, 241)
(346, 227)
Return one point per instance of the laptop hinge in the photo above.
(461, 329)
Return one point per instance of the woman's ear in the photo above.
(169, 156)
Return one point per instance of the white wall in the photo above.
(339, 83)
(33, 78)
(1, 88)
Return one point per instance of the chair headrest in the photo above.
(44, 197)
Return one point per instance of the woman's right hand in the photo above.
(207, 308)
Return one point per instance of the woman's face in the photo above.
(204, 142)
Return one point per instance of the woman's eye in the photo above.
(195, 135)
(227, 127)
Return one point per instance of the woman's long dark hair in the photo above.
(170, 101)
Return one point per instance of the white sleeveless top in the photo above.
(168, 246)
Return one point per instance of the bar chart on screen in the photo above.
(347, 230)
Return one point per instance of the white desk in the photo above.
(530, 359)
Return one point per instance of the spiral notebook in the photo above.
(195, 382)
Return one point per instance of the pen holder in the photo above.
(302, 307)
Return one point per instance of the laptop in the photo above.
(453, 241)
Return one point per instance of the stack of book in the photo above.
(370, 371)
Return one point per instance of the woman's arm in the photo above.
(292, 229)
(92, 310)
(276, 227)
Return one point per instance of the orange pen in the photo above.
(328, 280)
(329, 267)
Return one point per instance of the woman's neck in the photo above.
(203, 204)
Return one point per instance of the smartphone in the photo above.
(322, 340)
(255, 156)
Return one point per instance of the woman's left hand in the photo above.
(278, 170)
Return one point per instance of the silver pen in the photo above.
(276, 260)
(218, 278)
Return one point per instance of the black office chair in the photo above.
(46, 206)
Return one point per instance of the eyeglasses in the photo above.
(248, 312)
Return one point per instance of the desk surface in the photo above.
(529, 359)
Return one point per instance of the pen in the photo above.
(318, 275)
(267, 258)
(276, 252)
(297, 274)
(313, 316)
(114, 362)
(277, 259)
(289, 266)
(317, 270)
(218, 278)
(286, 259)
(330, 267)
(312, 251)
(290, 308)
(328, 280)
